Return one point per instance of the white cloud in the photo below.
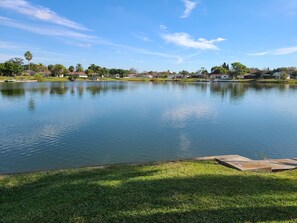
(47, 31)
(163, 27)
(39, 12)
(88, 45)
(284, 51)
(184, 39)
(280, 51)
(189, 7)
(259, 53)
(180, 60)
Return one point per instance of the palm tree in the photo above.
(28, 55)
(79, 68)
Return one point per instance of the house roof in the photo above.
(220, 74)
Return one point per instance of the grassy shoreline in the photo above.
(188, 80)
(184, 191)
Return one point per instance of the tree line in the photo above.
(16, 66)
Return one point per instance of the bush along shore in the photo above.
(183, 191)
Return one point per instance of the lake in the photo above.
(71, 124)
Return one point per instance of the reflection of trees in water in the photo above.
(58, 88)
(80, 90)
(12, 90)
(31, 104)
(238, 90)
(105, 87)
(42, 90)
(233, 90)
(272, 86)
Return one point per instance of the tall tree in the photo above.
(28, 55)
(71, 68)
(58, 69)
(219, 70)
(238, 69)
(79, 68)
(226, 66)
(89, 72)
(12, 67)
(50, 67)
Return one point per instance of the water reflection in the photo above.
(12, 90)
(103, 88)
(31, 104)
(61, 89)
(234, 91)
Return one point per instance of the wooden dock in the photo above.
(245, 164)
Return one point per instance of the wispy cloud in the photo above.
(4, 57)
(189, 7)
(184, 39)
(280, 51)
(88, 40)
(163, 27)
(141, 36)
(39, 13)
(9, 45)
(43, 30)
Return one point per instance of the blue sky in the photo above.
(151, 34)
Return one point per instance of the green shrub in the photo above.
(39, 77)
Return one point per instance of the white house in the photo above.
(220, 76)
(79, 74)
(148, 76)
(132, 75)
(278, 75)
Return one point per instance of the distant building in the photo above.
(278, 75)
(267, 76)
(247, 76)
(132, 75)
(148, 76)
(220, 76)
(79, 74)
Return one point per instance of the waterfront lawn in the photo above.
(167, 192)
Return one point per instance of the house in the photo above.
(278, 75)
(219, 76)
(132, 75)
(148, 76)
(267, 76)
(79, 74)
(247, 76)
(171, 76)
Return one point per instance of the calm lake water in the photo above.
(71, 124)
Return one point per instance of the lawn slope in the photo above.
(163, 192)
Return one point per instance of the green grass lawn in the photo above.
(186, 191)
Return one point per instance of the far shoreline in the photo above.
(5, 79)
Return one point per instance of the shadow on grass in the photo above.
(132, 194)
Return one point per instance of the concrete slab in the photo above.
(251, 165)
(225, 157)
(291, 162)
(245, 164)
